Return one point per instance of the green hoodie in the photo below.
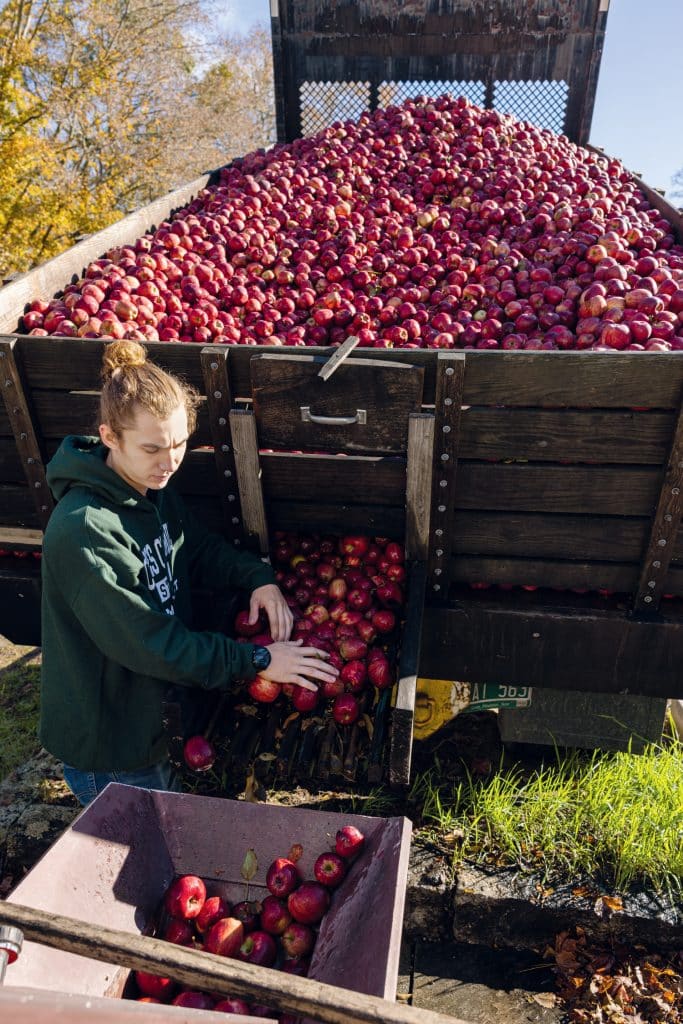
(116, 613)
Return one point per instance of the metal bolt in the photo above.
(668, 518)
(225, 447)
(8, 383)
(43, 508)
(536, 636)
(662, 542)
(443, 483)
(214, 366)
(237, 542)
(448, 401)
(446, 429)
(441, 508)
(222, 421)
(23, 435)
(647, 599)
(439, 552)
(437, 586)
(439, 533)
(30, 461)
(437, 572)
(675, 490)
(450, 371)
(231, 497)
(217, 394)
(37, 484)
(227, 472)
(651, 584)
(445, 457)
(656, 564)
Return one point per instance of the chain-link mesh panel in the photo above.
(397, 92)
(543, 104)
(322, 103)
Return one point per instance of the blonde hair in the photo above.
(130, 381)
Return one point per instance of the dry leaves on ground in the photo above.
(616, 986)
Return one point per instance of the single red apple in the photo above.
(185, 897)
(258, 948)
(215, 907)
(179, 932)
(345, 709)
(225, 937)
(282, 877)
(264, 690)
(330, 869)
(296, 965)
(193, 1000)
(199, 754)
(349, 842)
(233, 1005)
(308, 903)
(274, 915)
(246, 912)
(155, 986)
(297, 939)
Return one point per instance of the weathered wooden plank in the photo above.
(380, 480)
(352, 411)
(53, 276)
(11, 470)
(585, 490)
(400, 755)
(245, 442)
(618, 578)
(542, 435)
(535, 535)
(17, 508)
(386, 521)
(218, 405)
(26, 432)
(418, 485)
(447, 415)
(665, 526)
(20, 539)
(591, 650)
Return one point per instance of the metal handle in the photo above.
(333, 421)
(11, 940)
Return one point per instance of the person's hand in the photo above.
(290, 662)
(271, 600)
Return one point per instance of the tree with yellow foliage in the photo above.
(106, 104)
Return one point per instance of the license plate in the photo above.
(484, 696)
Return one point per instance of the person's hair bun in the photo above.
(118, 355)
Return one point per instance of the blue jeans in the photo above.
(86, 785)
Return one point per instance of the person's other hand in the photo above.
(271, 600)
(290, 662)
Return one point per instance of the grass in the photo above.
(19, 695)
(614, 818)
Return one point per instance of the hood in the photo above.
(80, 462)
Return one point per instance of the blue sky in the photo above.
(638, 114)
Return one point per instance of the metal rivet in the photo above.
(222, 421)
(8, 383)
(441, 508)
(234, 520)
(214, 366)
(237, 542)
(437, 586)
(656, 564)
(231, 497)
(448, 401)
(450, 371)
(675, 490)
(536, 636)
(439, 552)
(43, 508)
(30, 461)
(651, 584)
(443, 483)
(23, 436)
(225, 447)
(217, 394)
(445, 457)
(37, 484)
(446, 429)
(668, 518)
(662, 543)
(227, 472)
(437, 572)
(647, 599)
(439, 533)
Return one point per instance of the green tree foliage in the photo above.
(106, 104)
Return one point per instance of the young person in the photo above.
(120, 554)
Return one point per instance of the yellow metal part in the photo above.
(436, 702)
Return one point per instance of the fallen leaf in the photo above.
(296, 852)
(546, 999)
(249, 865)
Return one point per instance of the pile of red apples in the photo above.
(278, 931)
(434, 224)
(346, 596)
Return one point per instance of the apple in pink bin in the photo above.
(282, 877)
(185, 897)
(349, 841)
(215, 907)
(275, 915)
(297, 939)
(264, 690)
(329, 869)
(233, 1005)
(199, 754)
(192, 1000)
(258, 948)
(245, 911)
(179, 932)
(155, 986)
(296, 965)
(225, 937)
(308, 903)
